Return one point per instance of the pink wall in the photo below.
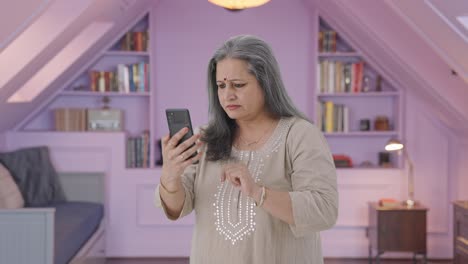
(188, 32)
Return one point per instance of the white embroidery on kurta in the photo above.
(235, 212)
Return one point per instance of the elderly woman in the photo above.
(264, 185)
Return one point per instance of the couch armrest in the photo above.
(28, 210)
(27, 235)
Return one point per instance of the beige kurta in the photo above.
(229, 228)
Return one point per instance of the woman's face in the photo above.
(239, 93)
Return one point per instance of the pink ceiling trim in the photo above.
(25, 24)
(399, 72)
(60, 62)
(449, 11)
(38, 36)
(443, 41)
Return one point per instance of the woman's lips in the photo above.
(232, 107)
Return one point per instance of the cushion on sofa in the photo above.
(35, 175)
(10, 196)
(75, 223)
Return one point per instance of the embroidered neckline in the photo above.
(271, 141)
(235, 223)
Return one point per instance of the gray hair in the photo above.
(219, 135)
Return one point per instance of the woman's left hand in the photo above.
(238, 175)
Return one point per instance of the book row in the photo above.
(138, 151)
(341, 77)
(134, 41)
(327, 41)
(126, 78)
(332, 117)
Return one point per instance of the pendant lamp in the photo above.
(238, 4)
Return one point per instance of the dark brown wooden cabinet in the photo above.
(460, 232)
(397, 228)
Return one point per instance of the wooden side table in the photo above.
(397, 228)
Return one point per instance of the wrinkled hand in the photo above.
(176, 157)
(239, 175)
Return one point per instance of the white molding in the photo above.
(27, 22)
(431, 125)
(148, 215)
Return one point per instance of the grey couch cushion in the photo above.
(35, 175)
(75, 223)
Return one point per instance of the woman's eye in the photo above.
(221, 86)
(239, 85)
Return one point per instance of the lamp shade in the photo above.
(394, 145)
(238, 4)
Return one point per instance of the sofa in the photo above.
(39, 223)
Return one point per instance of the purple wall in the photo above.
(2, 142)
(460, 169)
(187, 33)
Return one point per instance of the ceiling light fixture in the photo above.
(238, 4)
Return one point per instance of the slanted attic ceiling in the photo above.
(17, 17)
(118, 13)
(404, 54)
(392, 34)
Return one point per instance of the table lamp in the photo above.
(396, 145)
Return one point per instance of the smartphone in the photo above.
(178, 119)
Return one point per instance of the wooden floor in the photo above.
(327, 261)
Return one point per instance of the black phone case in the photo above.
(178, 119)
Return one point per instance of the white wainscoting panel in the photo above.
(72, 158)
(358, 187)
(149, 215)
(428, 146)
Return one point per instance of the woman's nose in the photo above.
(229, 93)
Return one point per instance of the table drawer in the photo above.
(402, 231)
(461, 251)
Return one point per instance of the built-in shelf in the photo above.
(338, 54)
(361, 94)
(351, 94)
(362, 133)
(126, 53)
(87, 93)
(145, 171)
(357, 168)
(91, 134)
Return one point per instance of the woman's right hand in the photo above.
(175, 158)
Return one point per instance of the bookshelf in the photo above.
(117, 80)
(356, 108)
